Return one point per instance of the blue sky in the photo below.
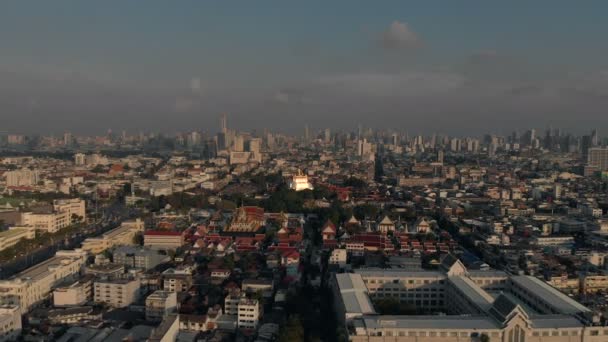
(281, 64)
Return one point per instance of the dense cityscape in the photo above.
(329, 235)
(303, 171)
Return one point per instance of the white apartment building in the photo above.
(117, 293)
(74, 207)
(231, 304)
(158, 239)
(35, 283)
(12, 236)
(338, 257)
(24, 177)
(120, 236)
(80, 159)
(160, 304)
(249, 313)
(48, 222)
(75, 294)
(10, 323)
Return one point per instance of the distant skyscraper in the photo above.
(440, 156)
(255, 147)
(239, 143)
(306, 134)
(223, 123)
(598, 157)
(327, 135)
(586, 144)
(594, 138)
(597, 160)
(67, 138)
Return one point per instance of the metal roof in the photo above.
(431, 322)
(550, 295)
(354, 294)
(473, 292)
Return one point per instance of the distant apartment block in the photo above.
(24, 177)
(158, 239)
(138, 257)
(117, 293)
(75, 294)
(160, 304)
(122, 235)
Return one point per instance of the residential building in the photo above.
(158, 239)
(176, 280)
(117, 293)
(23, 177)
(249, 313)
(160, 304)
(74, 207)
(138, 257)
(338, 257)
(75, 294)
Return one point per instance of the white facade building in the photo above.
(35, 283)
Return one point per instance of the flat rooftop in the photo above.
(40, 270)
(12, 232)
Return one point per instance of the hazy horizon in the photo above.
(463, 68)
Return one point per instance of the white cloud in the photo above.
(399, 36)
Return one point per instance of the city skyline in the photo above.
(423, 66)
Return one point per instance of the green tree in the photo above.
(293, 331)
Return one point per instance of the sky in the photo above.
(459, 67)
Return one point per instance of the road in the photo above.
(111, 216)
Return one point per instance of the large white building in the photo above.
(65, 212)
(74, 207)
(24, 177)
(35, 283)
(474, 303)
(12, 236)
(122, 235)
(47, 222)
